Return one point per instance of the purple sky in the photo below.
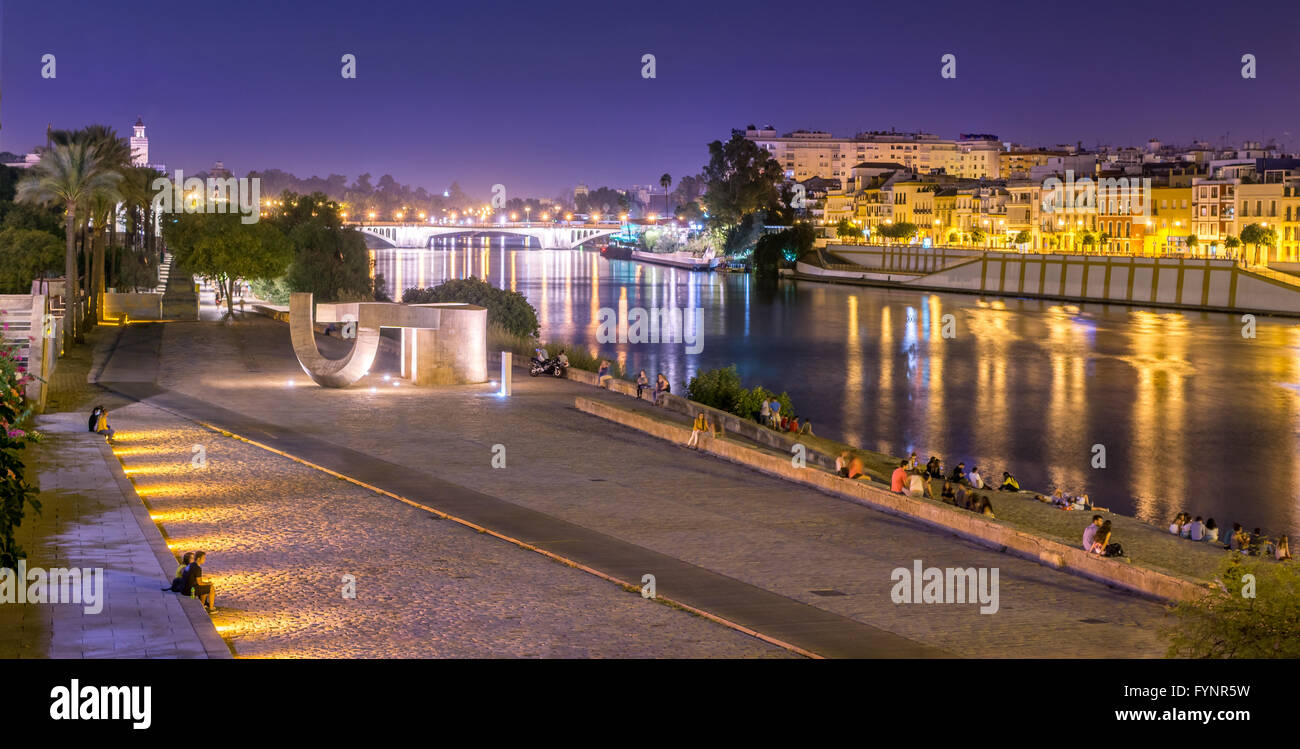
(540, 96)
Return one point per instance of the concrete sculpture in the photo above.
(441, 344)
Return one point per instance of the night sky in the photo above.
(540, 96)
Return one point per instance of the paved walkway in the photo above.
(90, 520)
(586, 489)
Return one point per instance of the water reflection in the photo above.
(1191, 415)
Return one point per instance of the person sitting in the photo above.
(1176, 525)
(1090, 533)
(898, 478)
(603, 377)
(697, 428)
(857, 470)
(1101, 541)
(194, 584)
(1211, 531)
(541, 355)
(961, 498)
(642, 384)
(1234, 540)
(1081, 502)
(949, 496)
(177, 579)
(1196, 531)
(842, 463)
(807, 428)
(917, 486)
(1255, 543)
(94, 418)
(974, 478)
(912, 461)
(958, 475)
(1009, 483)
(933, 468)
(793, 426)
(984, 507)
(1282, 549)
(1185, 530)
(102, 427)
(563, 359)
(662, 389)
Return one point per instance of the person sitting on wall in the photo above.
(1090, 533)
(193, 582)
(697, 428)
(898, 478)
(958, 475)
(974, 478)
(984, 507)
(1009, 483)
(793, 426)
(948, 494)
(102, 427)
(934, 468)
(177, 579)
(662, 389)
(603, 377)
(642, 384)
(807, 428)
(857, 470)
(842, 463)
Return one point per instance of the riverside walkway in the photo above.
(790, 564)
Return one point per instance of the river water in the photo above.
(1187, 413)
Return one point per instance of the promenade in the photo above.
(807, 556)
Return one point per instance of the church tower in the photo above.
(139, 145)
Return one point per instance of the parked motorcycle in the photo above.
(550, 366)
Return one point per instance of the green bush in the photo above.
(509, 309)
(717, 388)
(721, 389)
(580, 357)
(16, 492)
(273, 290)
(1257, 615)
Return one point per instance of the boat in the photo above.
(616, 251)
(685, 260)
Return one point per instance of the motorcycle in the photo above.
(550, 366)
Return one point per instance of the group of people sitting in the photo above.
(661, 387)
(98, 423)
(189, 579)
(1065, 501)
(770, 415)
(1252, 543)
(910, 480)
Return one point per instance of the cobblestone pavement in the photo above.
(710, 513)
(280, 538)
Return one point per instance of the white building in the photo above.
(139, 145)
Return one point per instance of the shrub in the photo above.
(509, 309)
(1233, 625)
(721, 389)
(16, 493)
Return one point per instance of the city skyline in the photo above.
(570, 120)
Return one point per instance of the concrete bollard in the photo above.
(507, 371)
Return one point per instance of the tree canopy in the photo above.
(742, 179)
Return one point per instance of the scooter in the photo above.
(550, 366)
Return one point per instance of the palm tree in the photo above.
(665, 180)
(71, 174)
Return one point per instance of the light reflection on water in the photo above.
(1191, 416)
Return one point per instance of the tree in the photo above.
(26, 254)
(71, 175)
(1023, 237)
(221, 246)
(329, 260)
(742, 179)
(783, 246)
(1258, 236)
(1192, 242)
(665, 181)
(847, 230)
(977, 235)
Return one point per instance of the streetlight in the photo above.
(528, 209)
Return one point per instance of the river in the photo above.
(1186, 412)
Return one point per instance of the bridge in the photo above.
(547, 236)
